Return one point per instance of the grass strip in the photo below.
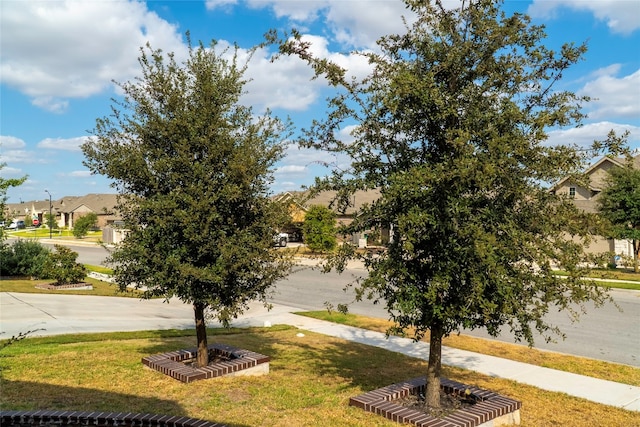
(624, 374)
(625, 274)
(100, 288)
(99, 269)
(624, 285)
(311, 380)
(57, 234)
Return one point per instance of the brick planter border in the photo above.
(96, 419)
(490, 409)
(52, 287)
(172, 363)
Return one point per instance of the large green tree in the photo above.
(450, 127)
(619, 203)
(192, 166)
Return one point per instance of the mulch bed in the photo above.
(214, 357)
(449, 403)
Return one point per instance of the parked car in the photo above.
(280, 239)
(16, 225)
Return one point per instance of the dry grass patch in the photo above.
(624, 374)
(310, 383)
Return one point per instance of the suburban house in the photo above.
(66, 210)
(299, 203)
(585, 196)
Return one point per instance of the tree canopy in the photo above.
(619, 203)
(192, 167)
(451, 127)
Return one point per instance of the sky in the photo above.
(58, 61)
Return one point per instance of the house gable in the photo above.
(585, 196)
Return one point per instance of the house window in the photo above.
(572, 192)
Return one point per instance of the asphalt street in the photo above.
(607, 333)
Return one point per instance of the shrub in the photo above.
(319, 229)
(83, 224)
(61, 265)
(23, 258)
(50, 221)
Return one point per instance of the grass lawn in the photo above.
(310, 382)
(100, 288)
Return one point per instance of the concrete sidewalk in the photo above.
(596, 390)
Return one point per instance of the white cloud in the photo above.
(287, 82)
(57, 52)
(289, 169)
(49, 103)
(355, 65)
(308, 156)
(12, 150)
(79, 174)
(300, 166)
(22, 156)
(354, 23)
(372, 20)
(67, 144)
(70, 49)
(9, 172)
(585, 136)
(11, 142)
(302, 11)
(216, 4)
(621, 16)
(345, 134)
(613, 96)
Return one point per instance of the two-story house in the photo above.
(585, 196)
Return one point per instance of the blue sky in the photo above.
(58, 59)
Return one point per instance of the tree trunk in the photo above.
(432, 395)
(636, 254)
(202, 359)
